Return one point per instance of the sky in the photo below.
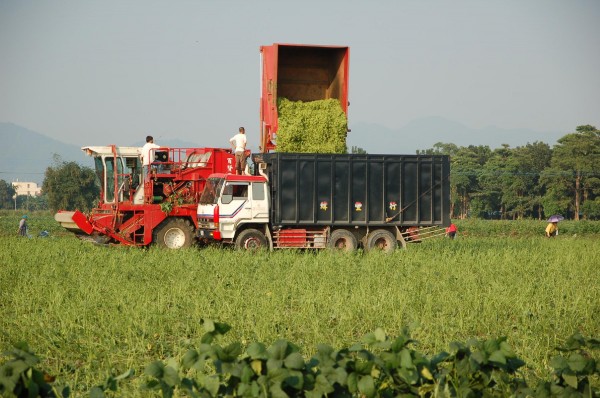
(102, 72)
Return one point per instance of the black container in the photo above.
(358, 190)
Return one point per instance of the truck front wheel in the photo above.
(343, 240)
(383, 240)
(251, 239)
(173, 234)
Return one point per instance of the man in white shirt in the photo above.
(145, 153)
(238, 142)
(146, 150)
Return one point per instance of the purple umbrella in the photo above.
(556, 218)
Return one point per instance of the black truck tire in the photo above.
(251, 239)
(382, 239)
(343, 240)
(174, 233)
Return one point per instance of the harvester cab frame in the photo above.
(126, 183)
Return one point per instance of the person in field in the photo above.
(451, 231)
(238, 142)
(23, 226)
(551, 229)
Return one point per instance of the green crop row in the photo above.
(378, 366)
(92, 313)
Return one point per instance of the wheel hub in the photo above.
(174, 238)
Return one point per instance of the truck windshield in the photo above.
(211, 192)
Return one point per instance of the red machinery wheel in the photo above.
(174, 233)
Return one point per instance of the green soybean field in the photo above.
(90, 311)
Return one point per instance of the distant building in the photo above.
(27, 188)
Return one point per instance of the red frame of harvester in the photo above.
(175, 180)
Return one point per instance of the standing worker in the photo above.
(145, 153)
(238, 142)
(146, 150)
(23, 226)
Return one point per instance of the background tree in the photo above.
(575, 168)
(28, 202)
(70, 186)
(532, 160)
(7, 193)
(358, 150)
(493, 180)
(465, 170)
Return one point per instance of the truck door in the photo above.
(235, 205)
(259, 203)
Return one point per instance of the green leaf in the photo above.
(278, 349)
(171, 377)
(559, 363)
(577, 362)
(352, 382)
(231, 352)
(257, 351)
(295, 379)
(366, 385)
(406, 359)
(571, 380)
(155, 369)
(379, 334)
(277, 375)
(478, 357)
(273, 364)
(369, 338)
(211, 383)
(190, 358)
(498, 357)
(294, 361)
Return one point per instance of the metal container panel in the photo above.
(373, 190)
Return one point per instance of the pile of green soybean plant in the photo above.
(311, 127)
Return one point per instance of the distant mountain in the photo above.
(27, 154)
(425, 132)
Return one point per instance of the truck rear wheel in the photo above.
(381, 239)
(173, 234)
(343, 240)
(251, 239)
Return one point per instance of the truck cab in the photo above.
(230, 206)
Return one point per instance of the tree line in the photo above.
(531, 181)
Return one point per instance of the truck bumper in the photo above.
(210, 234)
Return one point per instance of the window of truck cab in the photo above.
(234, 190)
(210, 194)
